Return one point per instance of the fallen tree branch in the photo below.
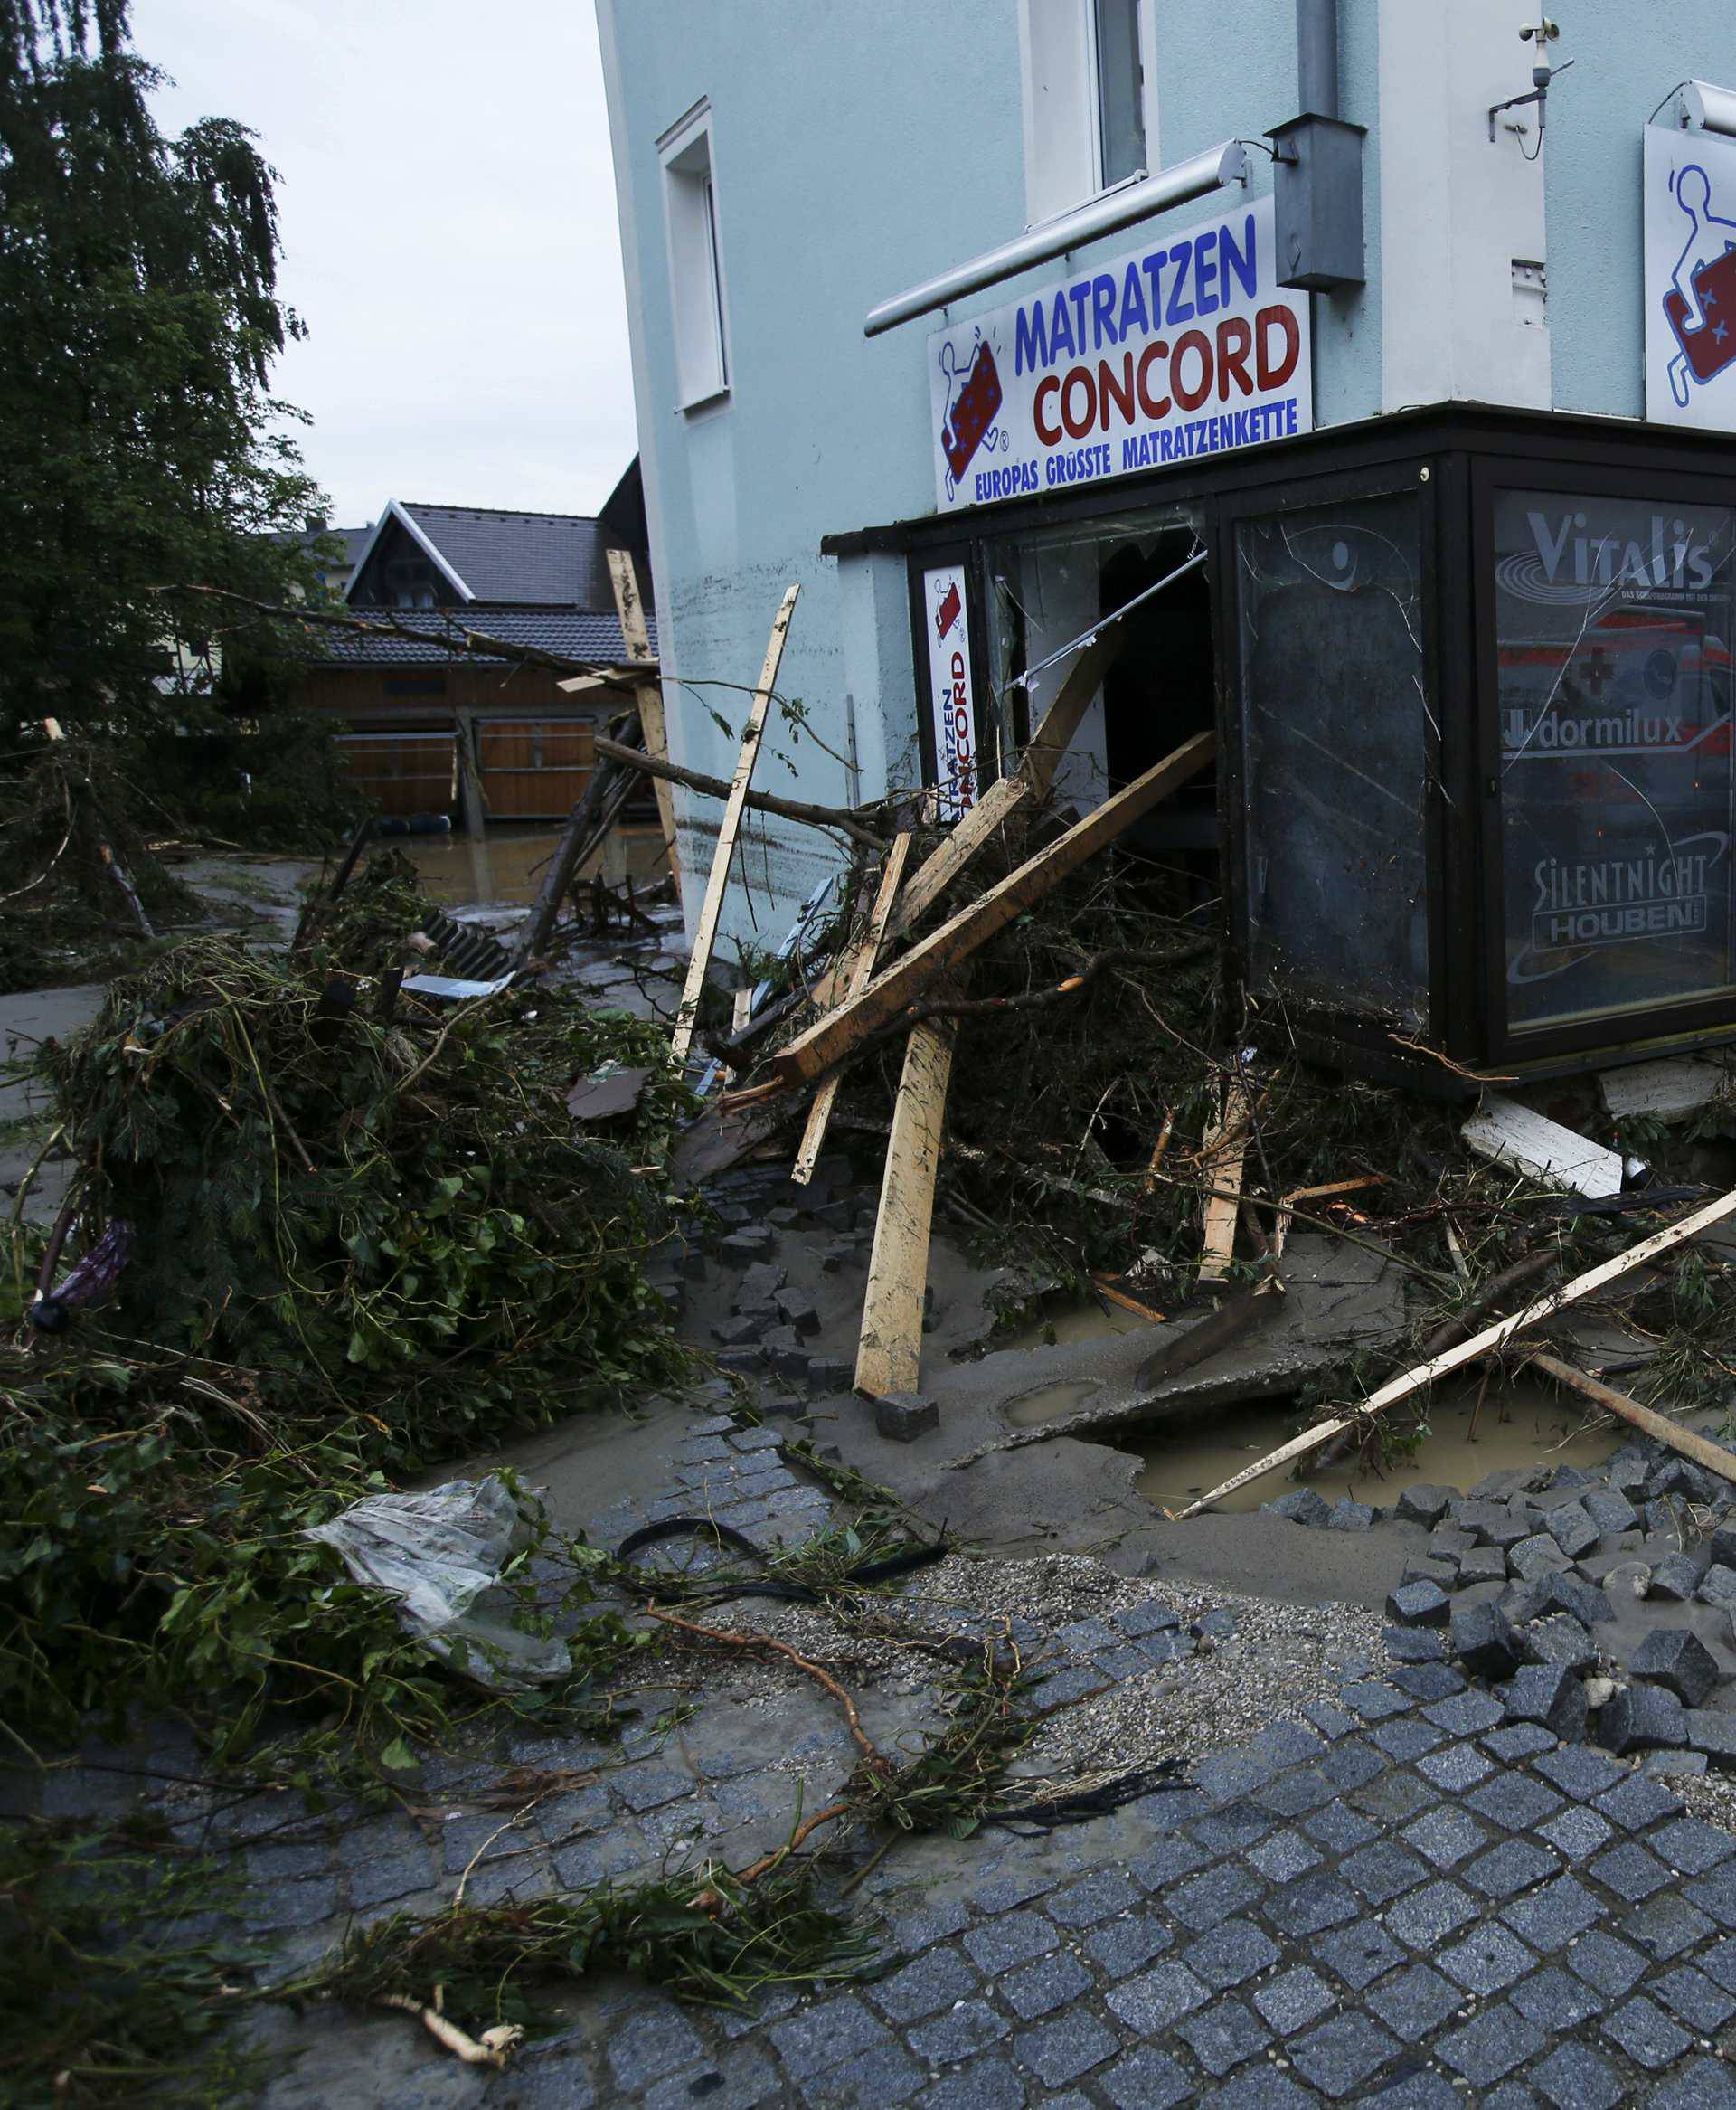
(869, 1750)
(1685, 1443)
(456, 2041)
(832, 817)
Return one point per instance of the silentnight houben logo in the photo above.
(1582, 904)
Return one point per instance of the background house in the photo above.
(433, 729)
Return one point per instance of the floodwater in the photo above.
(506, 862)
(1524, 1423)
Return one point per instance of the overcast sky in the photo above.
(448, 224)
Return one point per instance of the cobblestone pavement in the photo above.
(1403, 1896)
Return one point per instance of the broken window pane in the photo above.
(1335, 723)
(1614, 621)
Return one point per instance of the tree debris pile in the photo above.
(76, 870)
(360, 1243)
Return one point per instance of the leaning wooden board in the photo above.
(711, 909)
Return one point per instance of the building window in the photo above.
(1090, 99)
(696, 259)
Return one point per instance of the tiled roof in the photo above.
(575, 633)
(549, 558)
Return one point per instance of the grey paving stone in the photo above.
(1282, 1857)
(1515, 1803)
(1153, 1617)
(1647, 2034)
(931, 1921)
(1353, 1764)
(1715, 1893)
(1468, 1714)
(1383, 1871)
(1232, 1830)
(1398, 1796)
(1341, 2054)
(1579, 1771)
(1407, 1738)
(1629, 1872)
(1641, 1717)
(742, 2079)
(987, 2084)
(1203, 1900)
(651, 2044)
(1294, 1998)
(1339, 1829)
(1040, 1988)
(1156, 2000)
(1694, 1999)
(1415, 1645)
(1166, 1863)
(1128, 1943)
(1144, 2079)
(1445, 1835)
(1423, 2090)
(1705, 2085)
(1692, 1846)
(1428, 1916)
(1095, 1898)
(1634, 1801)
(1373, 1699)
(1555, 2002)
(1575, 2077)
(1262, 2089)
(1230, 1954)
(1013, 1939)
(1059, 2051)
(1360, 1953)
(1576, 1831)
(936, 1980)
(820, 2037)
(960, 2033)
(1012, 1885)
(1486, 2049)
(1518, 1740)
(1606, 1963)
(1418, 1603)
(1554, 1915)
(1459, 1767)
(1512, 1867)
(1666, 1924)
(1311, 1904)
(1413, 2002)
(883, 2075)
(1487, 1961)
(1224, 2035)
(1428, 1681)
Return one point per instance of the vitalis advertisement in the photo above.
(951, 690)
(1614, 623)
(1185, 348)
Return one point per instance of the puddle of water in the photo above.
(1520, 1424)
(505, 863)
(1050, 1404)
(1078, 1322)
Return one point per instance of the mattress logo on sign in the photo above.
(973, 400)
(1700, 306)
(952, 717)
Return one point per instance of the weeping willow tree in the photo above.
(140, 445)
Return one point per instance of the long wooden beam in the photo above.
(711, 909)
(1423, 1375)
(862, 972)
(830, 1040)
(629, 608)
(889, 1351)
(1029, 784)
(648, 765)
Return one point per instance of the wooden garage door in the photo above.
(404, 772)
(533, 769)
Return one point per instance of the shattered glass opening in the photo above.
(1336, 720)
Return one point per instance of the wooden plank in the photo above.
(629, 607)
(1287, 1206)
(1423, 1375)
(1238, 1315)
(1226, 1148)
(1510, 1134)
(656, 747)
(1671, 1089)
(862, 972)
(1028, 784)
(711, 909)
(831, 1038)
(889, 1353)
(1685, 1443)
(1105, 1286)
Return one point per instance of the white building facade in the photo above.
(1388, 397)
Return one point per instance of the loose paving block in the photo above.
(1641, 1717)
(902, 1416)
(1678, 1661)
(1536, 1556)
(1348, 1516)
(799, 1311)
(1560, 1639)
(1482, 1564)
(1588, 1601)
(1484, 1641)
(1609, 1508)
(1302, 1505)
(757, 1242)
(1420, 1568)
(1571, 1529)
(1549, 1694)
(1419, 1605)
(1676, 1576)
(1718, 1586)
(1426, 1504)
(1711, 1731)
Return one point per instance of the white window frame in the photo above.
(698, 300)
(1063, 136)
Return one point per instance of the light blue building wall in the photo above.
(859, 149)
